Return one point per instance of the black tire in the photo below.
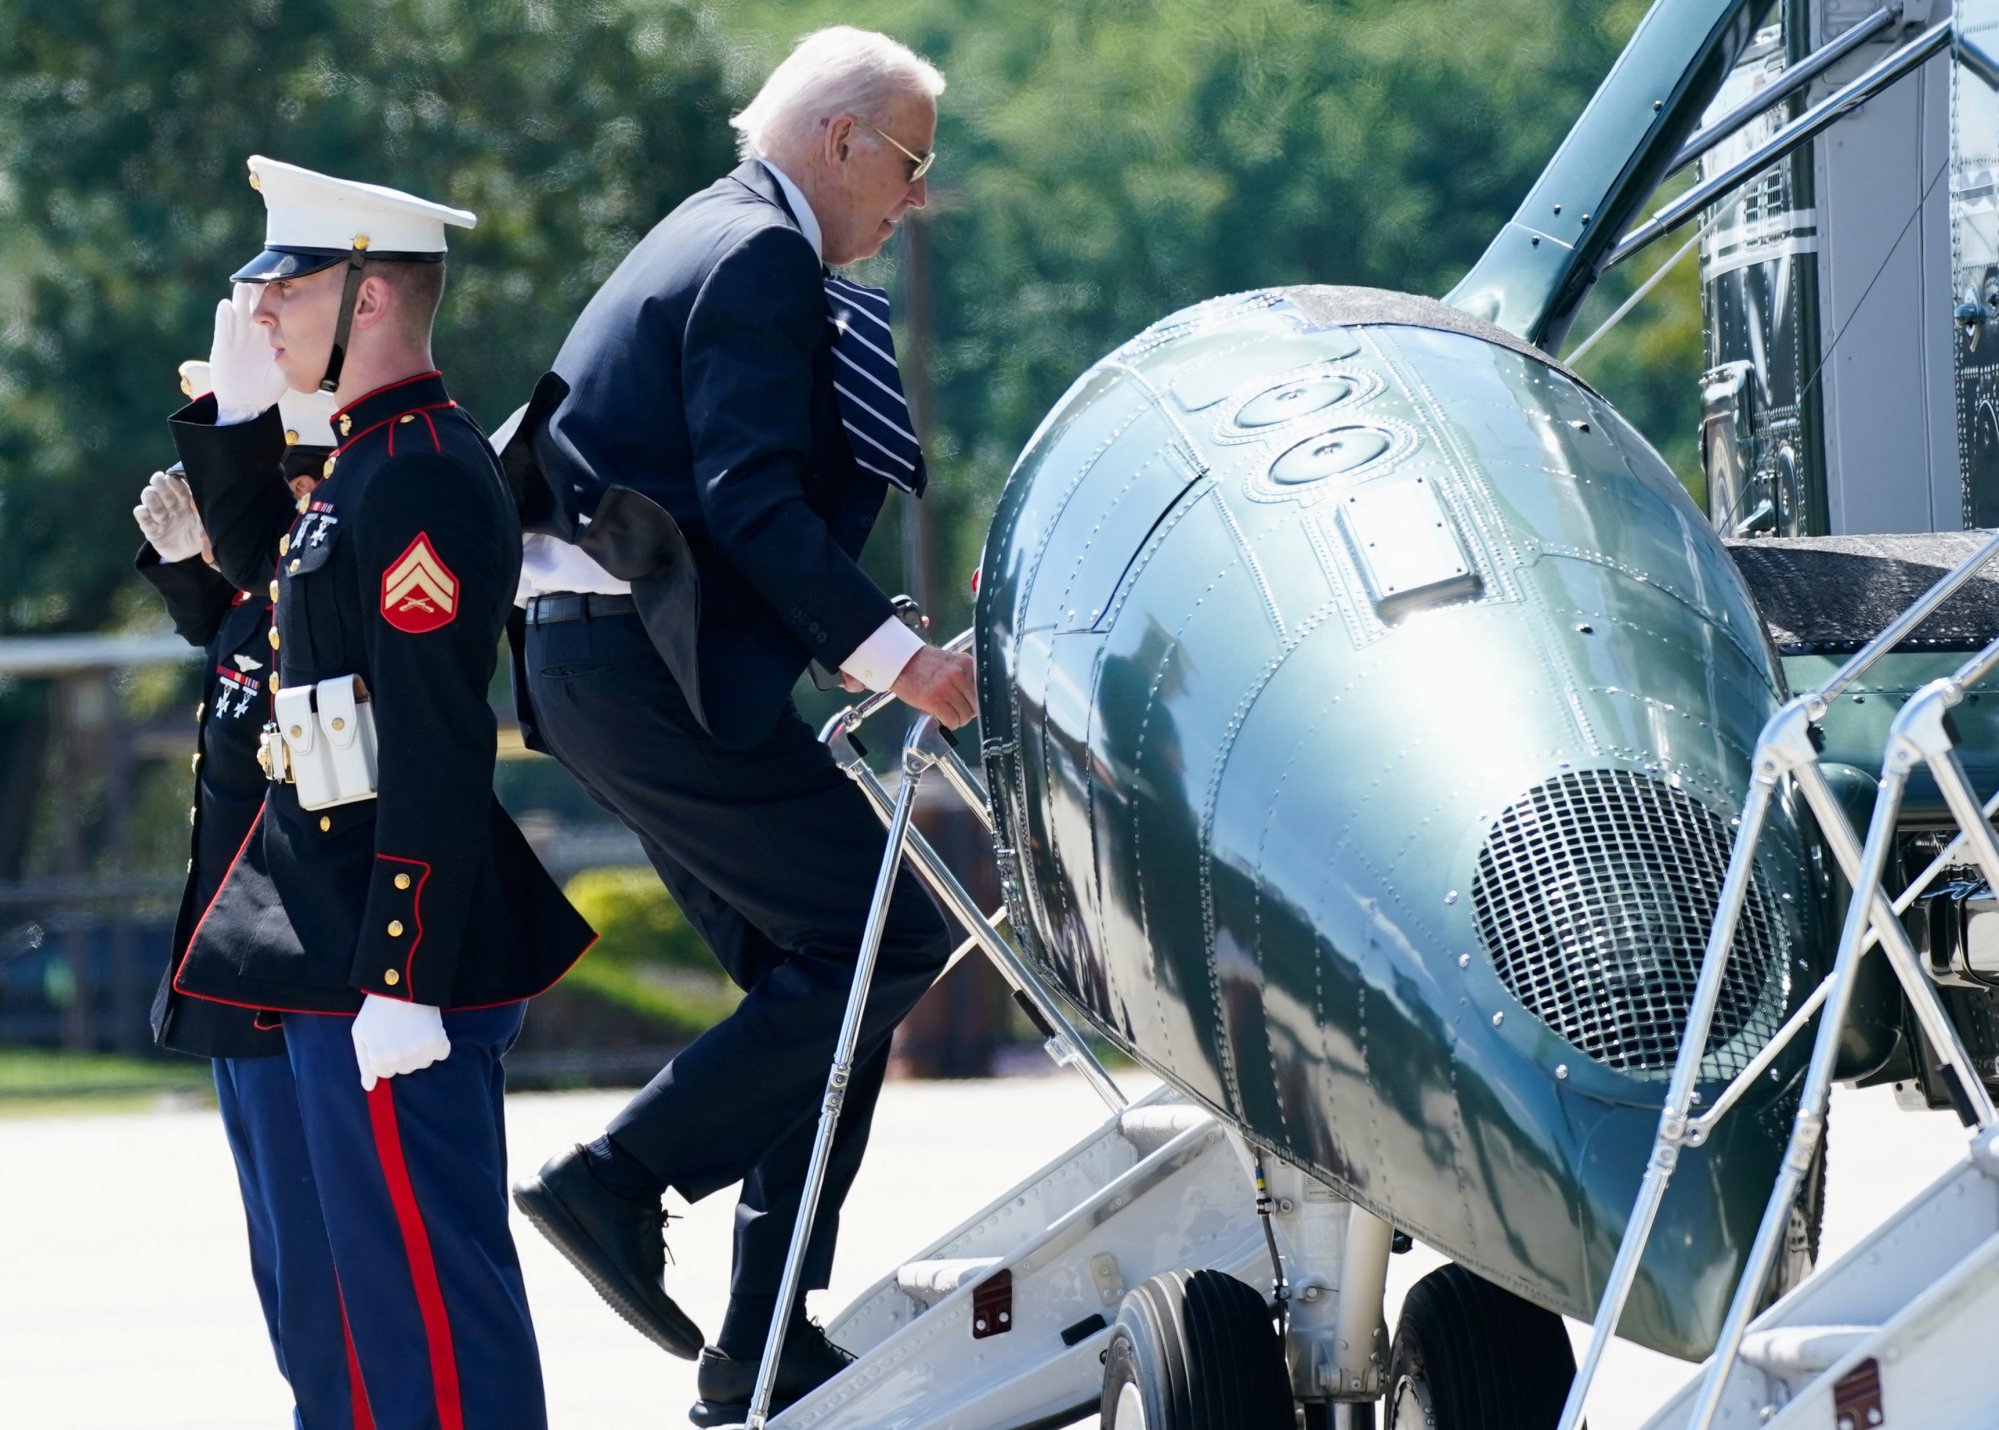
(1470, 1356)
(1195, 1350)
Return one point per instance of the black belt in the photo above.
(569, 606)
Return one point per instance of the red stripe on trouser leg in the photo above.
(416, 1246)
(357, 1390)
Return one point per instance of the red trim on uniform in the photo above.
(357, 1389)
(385, 387)
(378, 426)
(425, 414)
(202, 922)
(416, 914)
(504, 1002)
(416, 1247)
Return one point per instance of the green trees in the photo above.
(124, 206)
(1103, 162)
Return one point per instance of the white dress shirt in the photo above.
(550, 565)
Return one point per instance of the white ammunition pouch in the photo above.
(323, 741)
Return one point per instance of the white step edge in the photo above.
(928, 1282)
(1803, 1350)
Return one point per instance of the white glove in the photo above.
(167, 517)
(392, 1037)
(242, 365)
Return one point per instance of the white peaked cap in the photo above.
(312, 221)
(308, 416)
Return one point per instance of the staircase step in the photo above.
(928, 1282)
(1790, 1351)
(1152, 1127)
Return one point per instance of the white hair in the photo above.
(840, 70)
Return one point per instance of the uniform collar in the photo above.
(425, 389)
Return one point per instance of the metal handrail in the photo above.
(1785, 755)
(1065, 1045)
(1794, 78)
(1804, 128)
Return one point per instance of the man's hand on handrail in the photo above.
(941, 684)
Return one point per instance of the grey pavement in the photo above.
(125, 1298)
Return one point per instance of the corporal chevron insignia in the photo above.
(419, 593)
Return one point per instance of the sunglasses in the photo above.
(921, 162)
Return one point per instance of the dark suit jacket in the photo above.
(701, 375)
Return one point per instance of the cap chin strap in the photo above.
(357, 259)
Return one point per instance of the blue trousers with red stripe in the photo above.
(289, 1257)
(411, 1178)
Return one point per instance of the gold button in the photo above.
(273, 638)
(293, 568)
(255, 182)
(274, 590)
(361, 241)
(297, 730)
(407, 417)
(346, 424)
(327, 470)
(186, 387)
(301, 504)
(276, 684)
(291, 438)
(402, 881)
(395, 928)
(284, 544)
(392, 978)
(338, 723)
(326, 824)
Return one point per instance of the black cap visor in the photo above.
(275, 263)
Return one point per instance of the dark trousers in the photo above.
(289, 1258)
(772, 853)
(411, 1178)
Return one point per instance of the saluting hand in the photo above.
(391, 1037)
(940, 683)
(167, 518)
(242, 364)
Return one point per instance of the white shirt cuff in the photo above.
(878, 660)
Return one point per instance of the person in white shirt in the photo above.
(729, 424)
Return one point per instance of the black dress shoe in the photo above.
(615, 1242)
(726, 1384)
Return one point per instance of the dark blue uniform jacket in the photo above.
(701, 375)
(233, 628)
(401, 570)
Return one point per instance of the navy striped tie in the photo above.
(872, 407)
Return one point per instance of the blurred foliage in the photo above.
(647, 960)
(1104, 162)
(636, 921)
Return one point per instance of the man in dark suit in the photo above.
(731, 425)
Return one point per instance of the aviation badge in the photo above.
(419, 593)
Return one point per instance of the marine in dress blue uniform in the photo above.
(692, 440)
(419, 907)
(290, 1262)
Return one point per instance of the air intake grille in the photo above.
(1593, 898)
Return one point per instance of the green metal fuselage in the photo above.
(1287, 612)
